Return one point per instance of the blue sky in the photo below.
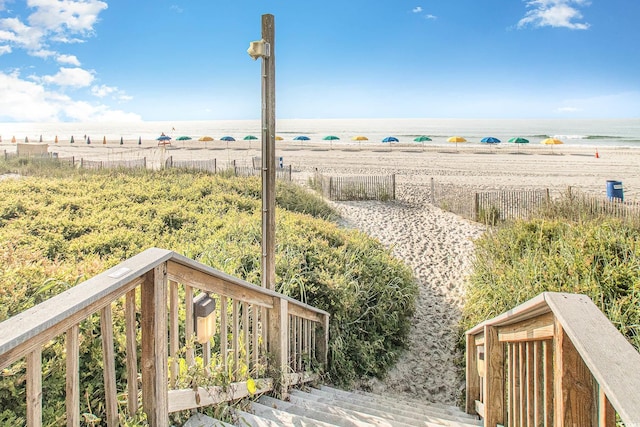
(91, 60)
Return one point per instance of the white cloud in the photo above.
(61, 16)
(429, 16)
(417, 9)
(112, 91)
(68, 59)
(554, 13)
(5, 49)
(74, 77)
(23, 100)
(176, 8)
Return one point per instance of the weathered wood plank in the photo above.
(154, 346)
(174, 344)
(72, 388)
(185, 399)
(34, 388)
(209, 283)
(109, 367)
(189, 326)
(606, 413)
(278, 344)
(614, 362)
(538, 328)
(494, 377)
(473, 378)
(574, 387)
(132, 351)
(224, 331)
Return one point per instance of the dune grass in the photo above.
(60, 226)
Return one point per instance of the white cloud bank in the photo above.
(554, 13)
(52, 24)
(28, 101)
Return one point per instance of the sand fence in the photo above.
(356, 187)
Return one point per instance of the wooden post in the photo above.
(109, 367)
(494, 377)
(476, 207)
(72, 346)
(322, 343)
(34, 388)
(154, 347)
(268, 276)
(279, 343)
(473, 378)
(132, 351)
(606, 413)
(433, 192)
(574, 387)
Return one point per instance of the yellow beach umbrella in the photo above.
(551, 141)
(359, 138)
(279, 138)
(456, 139)
(205, 138)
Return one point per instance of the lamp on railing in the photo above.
(204, 317)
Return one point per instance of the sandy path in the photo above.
(438, 247)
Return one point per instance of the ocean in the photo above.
(575, 132)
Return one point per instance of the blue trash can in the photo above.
(280, 162)
(614, 190)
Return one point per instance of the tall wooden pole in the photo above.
(268, 154)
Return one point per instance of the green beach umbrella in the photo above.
(183, 138)
(139, 140)
(72, 141)
(121, 141)
(519, 140)
(249, 137)
(88, 140)
(422, 138)
(331, 138)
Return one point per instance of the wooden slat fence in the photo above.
(578, 204)
(114, 164)
(281, 173)
(263, 341)
(210, 165)
(357, 187)
(489, 207)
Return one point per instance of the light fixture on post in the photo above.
(204, 316)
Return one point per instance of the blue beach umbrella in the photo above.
(390, 139)
(163, 137)
(301, 138)
(490, 140)
(227, 138)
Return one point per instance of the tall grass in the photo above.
(568, 249)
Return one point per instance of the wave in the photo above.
(603, 137)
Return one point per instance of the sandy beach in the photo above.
(437, 245)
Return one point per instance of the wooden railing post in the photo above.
(154, 347)
(574, 386)
(473, 377)
(279, 343)
(72, 346)
(494, 408)
(322, 344)
(34, 388)
(109, 367)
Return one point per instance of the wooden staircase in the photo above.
(328, 406)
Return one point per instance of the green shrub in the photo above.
(58, 229)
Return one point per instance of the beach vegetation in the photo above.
(566, 249)
(60, 226)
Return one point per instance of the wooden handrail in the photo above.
(252, 320)
(558, 351)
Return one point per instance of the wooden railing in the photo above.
(555, 360)
(264, 340)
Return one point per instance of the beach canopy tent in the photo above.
(490, 140)
(301, 138)
(183, 138)
(250, 137)
(551, 141)
(205, 138)
(390, 139)
(227, 138)
(422, 138)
